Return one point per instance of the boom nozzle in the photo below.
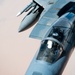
(32, 4)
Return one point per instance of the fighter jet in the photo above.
(56, 29)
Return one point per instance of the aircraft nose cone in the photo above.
(24, 24)
(21, 28)
(28, 20)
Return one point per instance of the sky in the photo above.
(17, 49)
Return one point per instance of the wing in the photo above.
(49, 17)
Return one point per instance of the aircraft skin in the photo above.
(52, 57)
(58, 42)
(36, 8)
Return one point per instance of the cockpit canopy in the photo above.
(50, 50)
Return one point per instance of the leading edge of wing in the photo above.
(47, 19)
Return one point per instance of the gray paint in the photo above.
(48, 22)
(42, 67)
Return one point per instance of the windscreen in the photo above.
(49, 51)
